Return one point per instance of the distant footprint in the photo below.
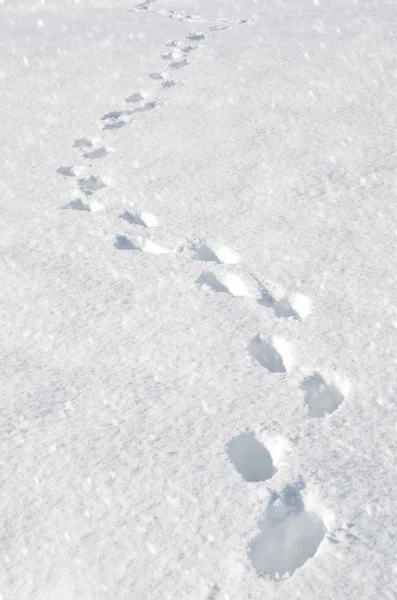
(116, 119)
(91, 149)
(228, 283)
(168, 83)
(215, 253)
(158, 76)
(89, 185)
(179, 64)
(274, 355)
(289, 534)
(196, 36)
(135, 97)
(80, 204)
(119, 118)
(66, 171)
(174, 54)
(82, 143)
(141, 244)
(322, 398)
(251, 459)
(297, 306)
(143, 218)
(100, 152)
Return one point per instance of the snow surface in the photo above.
(198, 309)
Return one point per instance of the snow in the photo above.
(198, 308)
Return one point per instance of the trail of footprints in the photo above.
(291, 530)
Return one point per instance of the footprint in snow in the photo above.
(135, 97)
(91, 149)
(66, 171)
(274, 355)
(79, 204)
(289, 534)
(142, 218)
(251, 458)
(196, 36)
(141, 244)
(297, 306)
(215, 253)
(119, 118)
(323, 397)
(180, 64)
(92, 183)
(229, 283)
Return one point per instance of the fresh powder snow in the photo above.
(199, 300)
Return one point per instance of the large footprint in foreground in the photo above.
(289, 534)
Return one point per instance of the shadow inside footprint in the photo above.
(91, 184)
(135, 97)
(210, 280)
(266, 355)
(76, 205)
(321, 398)
(66, 171)
(251, 459)
(97, 153)
(123, 243)
(206, 254)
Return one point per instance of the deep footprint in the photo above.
(322, 398)
(230, 283)
(289, 536)
(89, 185)
(219, 254)
(273, 358)
(144, 218)
(179, 64)
(251, 459)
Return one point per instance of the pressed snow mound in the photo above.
(289, 536)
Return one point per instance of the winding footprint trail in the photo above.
(290, 532)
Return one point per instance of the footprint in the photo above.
(100, 152)
(275, 356)
(145, 107)
(144, 218)
(188, 49)
(297, 306)
(135, 97)
(79, 204)
(123, 243)
(230, 283)
(169, 83)
(174, 44)
(90, 148)
(322, 398)
(158, 76)
(216, 253)
(82, 143)
(120, 118)
(89, 185)
(66, 171)
(172, 55)
(141, 244)
(196, 36)
(289, 535)
(116, 119)
(179, 64)
(251, 459)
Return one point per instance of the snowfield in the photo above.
(198, 304)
